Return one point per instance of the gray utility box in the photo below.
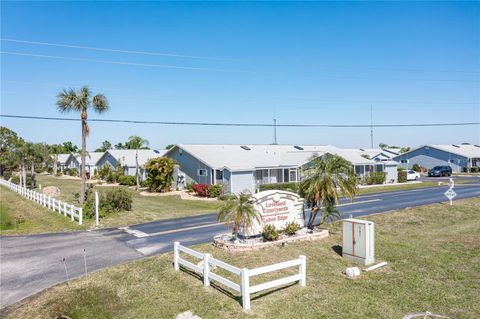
(359, 241)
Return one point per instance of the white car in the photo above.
(412, 176)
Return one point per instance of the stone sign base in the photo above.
(224, 241)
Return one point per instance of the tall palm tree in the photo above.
(136, 142)
(80, 101)
(239, 211)
(326, 179)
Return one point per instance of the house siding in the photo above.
(190, 165)
(429, 157)
(107, 159)
(241, 182)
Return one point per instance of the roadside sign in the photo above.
(450, 194)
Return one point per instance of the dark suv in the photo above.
(440, 171)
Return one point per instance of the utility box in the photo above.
(359, 241)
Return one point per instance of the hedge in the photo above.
(291, 187)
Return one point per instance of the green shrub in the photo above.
(71, 171)
(291, 228)
(375, 178)
(111, 201)
(402, 176)
(474, 169)
(160, 174)
(189, 186)
(127, 180)
(270, 233)
(290, 187)
(465, 169)
(143, 183)
(16, 180)
(225, 197)
(215, 190)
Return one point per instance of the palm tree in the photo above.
(80, 101)
(239, 210)
(326, 179)
(136, 142)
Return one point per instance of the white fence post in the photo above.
(175, 255)
(206, 270)
(303, 271)
(80, 216)
(72, 212)
(96, 208)
(245, 290)
(65, 209)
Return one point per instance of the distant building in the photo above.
(244, 167)
(126, 158)
(91, 159)
(68, 161)
(377, 154)
(456, 156)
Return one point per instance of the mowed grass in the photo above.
(408, 186)
(433, 255)
(145, 208)
(21, 216)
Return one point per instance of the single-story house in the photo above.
(457, 156)
(244, 167)
(126, 158)
(68, 161)
(377, 154)
(91, 159)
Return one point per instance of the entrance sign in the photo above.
(275, 208)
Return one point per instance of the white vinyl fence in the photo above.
(243, 287)
(51, 203)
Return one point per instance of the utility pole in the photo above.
(275, 131)
(371, 126)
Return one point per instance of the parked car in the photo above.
(412, 176)
(440, 171)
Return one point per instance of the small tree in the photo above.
(239, 211)
(160, 174)
(136, 143)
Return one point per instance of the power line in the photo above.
(152, 53)
(62, 45)
(165, 66)
(58, 57)
(241, 124)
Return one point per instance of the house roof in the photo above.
(91, 158)
(127, 157)
(374, 152)
(236, 157)
(62, 158)
(465, 150)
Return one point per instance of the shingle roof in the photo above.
(91, 158)
(127, 157)
(238, 157)
(62, 158)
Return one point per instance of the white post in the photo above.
(65, 209)
(303, 271)
(245, 290)
(96, 208)
(206, 270)
(80, 216)
(72, 211)
(49, 202)
(175, 255)
(39, 187)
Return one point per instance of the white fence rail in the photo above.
(245, 274)
(51, 203)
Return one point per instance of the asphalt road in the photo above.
(32, 263)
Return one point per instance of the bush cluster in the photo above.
(108, 174)
(270, 233)
(205, 190)
(418, 168)
(71, 171)
(291, 228)
(189, 186)
(402, 176)
(375, 178)
(127, 180)
(160, 174)
(16, 180)
(473, 169)
(110, 201)
(290, 187)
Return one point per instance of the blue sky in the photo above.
(313, 63)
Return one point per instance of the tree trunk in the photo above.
(136, 169)
(32, 171)
(84, 153)
(24, 173)
(55, 165)
(313, 215)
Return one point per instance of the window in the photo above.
(293, 175)
(404, 161)
(202, 172)
(219, 175)
(452, 161)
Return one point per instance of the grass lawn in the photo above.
(433, 255)
(145, 208)
(408, 186)
(21, 216)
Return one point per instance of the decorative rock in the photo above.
(51, 191)
(187, 315)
